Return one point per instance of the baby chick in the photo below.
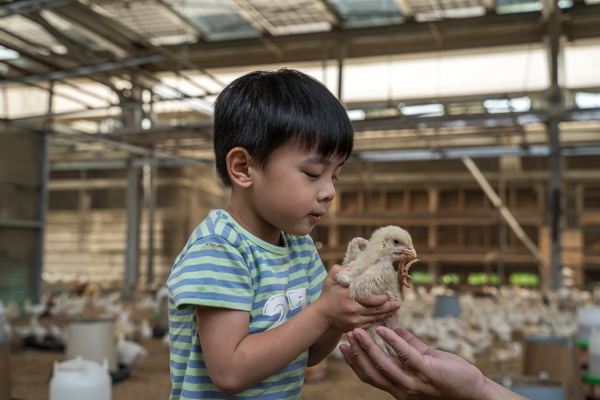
(372, 271)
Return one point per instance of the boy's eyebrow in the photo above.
(322, 160)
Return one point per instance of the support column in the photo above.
(433, 196)
(554, 110)
(42, 207)
(341, 56)
(502, 231)
(150, 172)
(132, 249)
(433, 269)
(132, 116)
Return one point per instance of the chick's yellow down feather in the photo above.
(372, 272)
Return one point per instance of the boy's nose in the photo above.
(327, 193)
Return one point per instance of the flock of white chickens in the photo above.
(484, 320)
(494, 319)
(65, 307)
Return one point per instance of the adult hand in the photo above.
(424, 373)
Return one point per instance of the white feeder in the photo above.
(594, 353)
(80, 379)
(93, 339)
(587, 318)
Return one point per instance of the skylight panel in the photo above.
(423, 110)
(148, 19)
(587, 100)
(495, 106)
(8, 54)
(215, 19)
(284, 17)
(363, 13)
(31, 32)
(69, 30)
(431, 10)
(517, 6)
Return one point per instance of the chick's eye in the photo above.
(396, 241)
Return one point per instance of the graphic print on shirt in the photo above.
(278, 304)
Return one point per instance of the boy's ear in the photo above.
(238, 167)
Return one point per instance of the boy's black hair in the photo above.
(263, 110)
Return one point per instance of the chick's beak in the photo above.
(410, 251)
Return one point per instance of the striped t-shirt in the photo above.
(223, 265)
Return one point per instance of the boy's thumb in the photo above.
(338, 268)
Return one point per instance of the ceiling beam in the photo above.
(78, 136)
(582, 21)
(28, 6)
(119, 163)
(91, 69)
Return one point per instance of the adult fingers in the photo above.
(412, 340)
(363, 367)
(392, 371)
(351, 361)
(410, 357)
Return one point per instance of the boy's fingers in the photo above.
(375, 301)
(337, 268)
(385, 308)
(377, 317)
(410, 357)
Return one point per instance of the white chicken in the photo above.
(372, 271)
(146, 332)
(12, 310)
(38, 309)
(60, 335)
(34, 329)
(147, 303)
(124, 325)
(129, 352)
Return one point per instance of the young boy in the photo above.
(250, 304)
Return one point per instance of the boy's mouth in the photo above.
(316, 217)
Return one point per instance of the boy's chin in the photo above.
(300, 230)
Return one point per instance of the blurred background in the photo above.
(477, 126)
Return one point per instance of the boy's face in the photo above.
(294, 189)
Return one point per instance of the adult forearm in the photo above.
(495, 391)
(323, 347)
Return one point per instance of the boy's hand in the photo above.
(340, 312)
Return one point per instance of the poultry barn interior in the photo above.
(476, 129)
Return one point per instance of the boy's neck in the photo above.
(255, 226)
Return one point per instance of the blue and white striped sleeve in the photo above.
(211, 273)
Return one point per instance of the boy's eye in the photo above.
(334, 177)
(312, 175)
